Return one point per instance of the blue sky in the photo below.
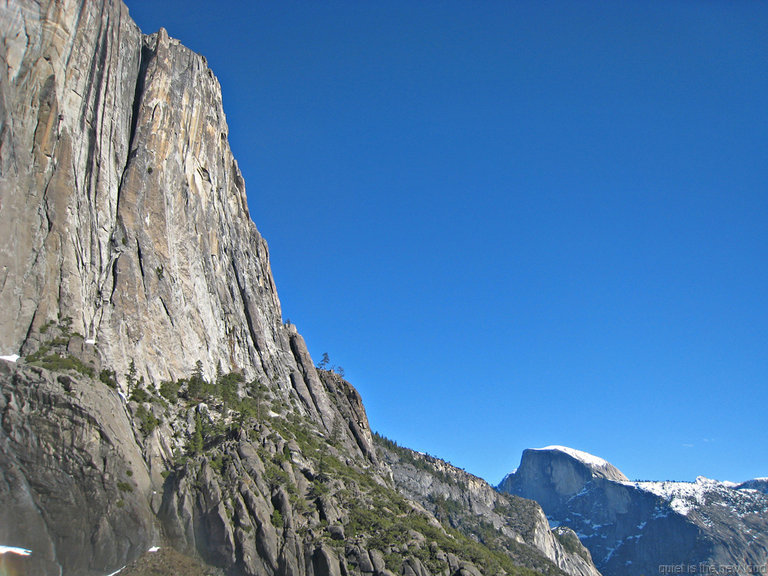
(515, 224)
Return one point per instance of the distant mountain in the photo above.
(643, 528)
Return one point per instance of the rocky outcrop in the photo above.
(255, 487)
(74, 485)
(634, 528)
(469, 504)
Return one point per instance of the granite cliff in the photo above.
(635, 528)
(151, 396)
(134, 222)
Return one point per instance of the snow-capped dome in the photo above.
(597, 465)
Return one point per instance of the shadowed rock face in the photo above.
(128, 258)
(633, 528)
(552, 475)
(73, 482)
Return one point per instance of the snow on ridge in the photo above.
(683, 496)
(584, 457)
(703, 494)
(671, 487)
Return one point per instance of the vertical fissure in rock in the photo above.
(146, 57)
(114, 280)
(30, 330)
(97, 78)
(241, 291)
(140, 260)
(168, 312)
(147, 54)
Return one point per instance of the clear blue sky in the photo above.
(515, 224)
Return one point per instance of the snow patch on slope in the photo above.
(584, 457)
(15, 550)
(683, 497)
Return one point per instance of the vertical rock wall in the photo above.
(121, 205)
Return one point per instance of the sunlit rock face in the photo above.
(121, 205)
(633, 528)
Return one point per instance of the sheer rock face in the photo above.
(633, 528)
(556, 474)
(121, 205)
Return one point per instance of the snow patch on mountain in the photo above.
(584, 457)
(684, 497)
(597, 465)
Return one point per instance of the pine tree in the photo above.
(196, 443)
(197, 385)
(198, 371)
(130, 377)
(336, 431)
